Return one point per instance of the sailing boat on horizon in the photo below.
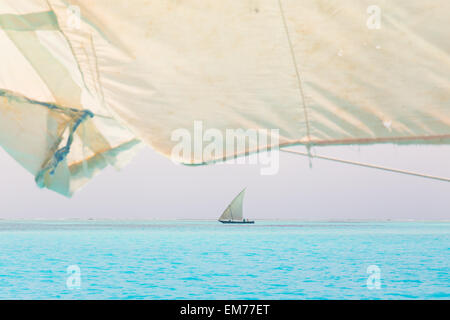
(233, 213)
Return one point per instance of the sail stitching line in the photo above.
(99, 83)
(76, 58)
(297, 72)
(72, 50)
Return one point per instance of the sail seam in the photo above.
(72, 50)
(77, 60)
(297, 72)
(97, 71)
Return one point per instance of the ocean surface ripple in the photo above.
(207, 260)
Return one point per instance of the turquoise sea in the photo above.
(207, 260)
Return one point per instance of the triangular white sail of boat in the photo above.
(234, 211)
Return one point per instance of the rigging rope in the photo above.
(297, 72)
(360, 164)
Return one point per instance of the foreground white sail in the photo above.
(234, 213)
(77, 95)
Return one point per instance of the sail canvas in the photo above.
(77, 95)
(234, 211)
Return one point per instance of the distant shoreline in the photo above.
(214, 220)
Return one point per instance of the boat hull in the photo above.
(237, 222)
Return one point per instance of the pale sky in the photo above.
(152, 187)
